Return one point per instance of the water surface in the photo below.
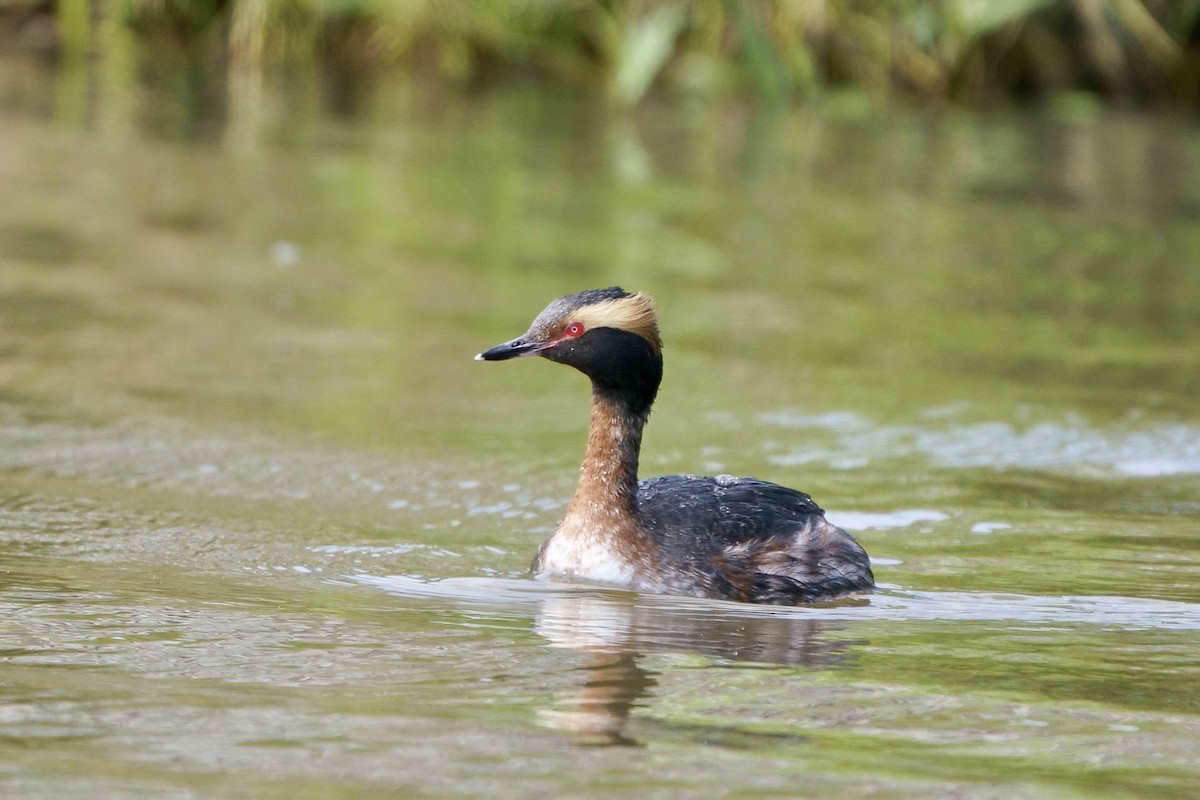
(264, 524)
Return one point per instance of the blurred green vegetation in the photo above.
(1139, 52)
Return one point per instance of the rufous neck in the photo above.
(608, 477)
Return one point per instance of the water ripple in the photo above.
(1147, 450)
(889, 603)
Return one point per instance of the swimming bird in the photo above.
(723, 537)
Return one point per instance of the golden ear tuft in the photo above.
(633, 314)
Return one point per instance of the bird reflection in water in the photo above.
(613, 630)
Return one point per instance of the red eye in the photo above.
(574, 329)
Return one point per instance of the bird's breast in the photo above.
(588, 549)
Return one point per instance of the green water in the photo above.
(264, 523)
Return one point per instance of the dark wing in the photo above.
(722, 511)
(758, 541)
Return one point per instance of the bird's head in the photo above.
(608, 334)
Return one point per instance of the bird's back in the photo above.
(746, 539)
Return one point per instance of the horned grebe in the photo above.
(724, 537)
